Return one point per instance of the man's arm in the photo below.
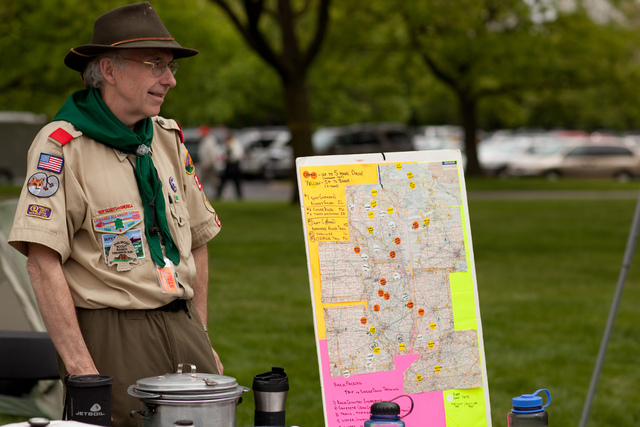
(57, 309)
(201, 289)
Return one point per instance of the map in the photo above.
(393, 286)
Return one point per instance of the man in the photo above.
(113, 218)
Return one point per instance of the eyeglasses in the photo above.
(159, 67)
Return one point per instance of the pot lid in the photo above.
(190, 382)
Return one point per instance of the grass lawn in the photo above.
(546, 270)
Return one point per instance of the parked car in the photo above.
(363, 138)
(438, 137)
(581, 157)
(267, 152)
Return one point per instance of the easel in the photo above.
(626, 263)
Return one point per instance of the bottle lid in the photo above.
(530, 402)
(385, 408)
(274, 381)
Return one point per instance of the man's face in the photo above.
(137, 93)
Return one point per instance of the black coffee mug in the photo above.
(88, 399)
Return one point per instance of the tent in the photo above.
(19, 312)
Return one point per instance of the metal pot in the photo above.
(204, 399)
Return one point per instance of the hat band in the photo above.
(144, 39)
(80, 54)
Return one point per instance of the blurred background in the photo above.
(524, 88)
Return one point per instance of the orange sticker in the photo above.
(410, 304)
(383, 281)
(392, 254)
(415, 224)
(305, 174)
(356, 249)
(386, 295)
(421, 312)
(397, 240)
(380, 293)
(376, 307)
(363, 320)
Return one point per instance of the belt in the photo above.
(174, 306)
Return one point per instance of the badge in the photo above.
(122, 253)
(117, 223)
(39, 211)
(41, 185)
(49, 162)
(188, 164)
(167, 277)
(172, 183)
(133, 236)
(195, 176)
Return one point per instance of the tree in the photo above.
(280, 36)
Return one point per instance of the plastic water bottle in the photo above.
(385, 414)
(528, 410)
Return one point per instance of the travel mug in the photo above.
(270, 394)
(88, 399)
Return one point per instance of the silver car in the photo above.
(604, 157)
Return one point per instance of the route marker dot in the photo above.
(421, 312)
(412, 185)
(376, 307)
(376, 350)
(392, 254)
(383, 281)
(363, 320)
(427, 221)
(380, 293)
(431, 344)
(371, 214)
(416, 225)
(372, 329)
(387, 295)
(437, 369)
(398, 166)
(356, 249)
(419, 377)
(397, 241)
(410, 304)
(409, 175)
(370, 230)
(390, 210)
(374, 203)
(401, 346)
(432, 325)
(374, 192)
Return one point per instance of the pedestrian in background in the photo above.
(233, 155)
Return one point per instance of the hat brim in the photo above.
(77, 58)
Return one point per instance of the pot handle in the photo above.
(142, 394)
(180, 366)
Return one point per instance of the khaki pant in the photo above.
(134, 344)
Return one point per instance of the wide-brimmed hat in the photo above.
(135, 26)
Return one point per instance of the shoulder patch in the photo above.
(180, 132)
(169, 124)
(61, 135)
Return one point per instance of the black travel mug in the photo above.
(270, 394)
(88, 399)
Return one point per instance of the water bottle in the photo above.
(385, 414)
(528, 410)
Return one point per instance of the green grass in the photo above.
(546, 273)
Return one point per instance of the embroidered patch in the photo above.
(188, 164)
(172, 183)
(49, 162)
(217, 219)
(61, 135)
(120, 251)
(39, 211)
(117, 223)
(195, 176)
(115, 208)
(41, 185)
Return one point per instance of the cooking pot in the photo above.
(172, 399)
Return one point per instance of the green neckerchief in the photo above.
(86, 110)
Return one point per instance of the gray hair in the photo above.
(92, 76)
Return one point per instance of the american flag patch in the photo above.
(51, 163)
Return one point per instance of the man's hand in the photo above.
(218, 362)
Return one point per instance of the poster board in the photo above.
(393, 287)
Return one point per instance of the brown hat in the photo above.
(135, 26)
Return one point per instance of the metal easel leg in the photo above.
(626, 263)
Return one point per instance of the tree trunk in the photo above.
(468, 105)
(297, 107)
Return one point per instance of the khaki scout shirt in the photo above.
(81, 200)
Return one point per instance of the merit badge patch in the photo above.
(39, 211)
(41, 185)
(117, 223)
(120, 250)
(49, 162)
(188, 164)
(172, 184)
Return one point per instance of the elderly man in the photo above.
(113, 218)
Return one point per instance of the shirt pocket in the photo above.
(180, 229)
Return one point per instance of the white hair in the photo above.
(92, 76)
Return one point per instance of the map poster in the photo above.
(393, 287)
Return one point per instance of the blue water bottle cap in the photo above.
(530, 402)
(385, 408)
